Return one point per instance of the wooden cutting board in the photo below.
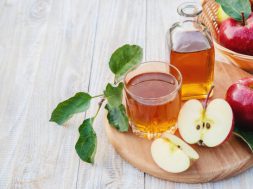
(227, 160)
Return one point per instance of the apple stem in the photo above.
(207, 98)
(243, 19)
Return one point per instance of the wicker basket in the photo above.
(209, 18)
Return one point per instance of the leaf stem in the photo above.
(98, 96)
(115, 81)
(243, 19)
(99, 106)
(207, 98)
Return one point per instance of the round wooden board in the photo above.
(229, 159)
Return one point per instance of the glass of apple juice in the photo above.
(153, 98)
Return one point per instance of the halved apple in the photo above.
(172, 154)
(209, 125)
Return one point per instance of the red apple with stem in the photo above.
(240, 97)
(237, 36)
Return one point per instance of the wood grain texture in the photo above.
(50, 49)
(227, 160)
(119, 22)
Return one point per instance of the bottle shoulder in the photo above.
(188, 25)
(188, 36)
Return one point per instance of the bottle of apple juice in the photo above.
(192, 52)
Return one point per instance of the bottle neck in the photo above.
(189, 11)
(188, 19)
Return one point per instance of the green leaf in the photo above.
(86, 145)
(246, 136)
(66, 109)
(114, 94)
(124, 58)
(117, 117)
(234, 8)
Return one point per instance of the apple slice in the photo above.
(209, 125)
(172, 154)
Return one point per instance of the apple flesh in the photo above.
(236, 36)
(208, 127)
(172, 154)
(240, 97)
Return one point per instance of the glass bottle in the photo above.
(192, 52)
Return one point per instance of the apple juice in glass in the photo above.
(153, 98)
(192, 52)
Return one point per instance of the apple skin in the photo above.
(231, 131)
(218, 114)
(221, 15)
(236, 37)
(240, 97)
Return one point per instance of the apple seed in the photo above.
(198, 127)
(203, 125)
(208, 125)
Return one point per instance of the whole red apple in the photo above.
(240, 97)
(236, 36)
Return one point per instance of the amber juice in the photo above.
(197, 69)
(153, 102)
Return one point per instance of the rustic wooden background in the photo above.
(50, 49)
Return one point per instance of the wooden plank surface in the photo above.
(119, 22)
(48, 51)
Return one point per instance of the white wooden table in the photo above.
(50, 49)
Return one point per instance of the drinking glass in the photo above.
(153, 98)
